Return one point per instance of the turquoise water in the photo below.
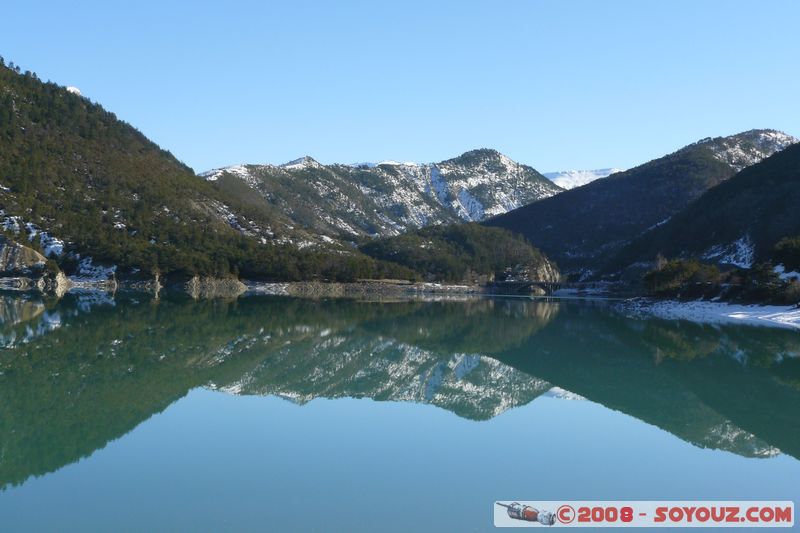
(274, 414)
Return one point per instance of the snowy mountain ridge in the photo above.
(569, 179)
(747, 148)
(387, 198)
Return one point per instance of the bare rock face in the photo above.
(545, 271)
(18, 259)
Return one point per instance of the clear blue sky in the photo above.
(555, 84)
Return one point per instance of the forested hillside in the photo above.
(738, 222)
(76, 181)
(464, 252)
(585, 227)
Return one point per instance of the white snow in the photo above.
(87, 271)
(51, 246)
(467, 204)
(748, 148)
(786, 276)
(214, 174)
(705, 312)
(740, 253)
(406, 195)
(569, 179)
(301, 163)
(392, 162)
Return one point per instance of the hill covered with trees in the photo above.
(464, 252)
(585, 227)
(747, 216)
(75, 181)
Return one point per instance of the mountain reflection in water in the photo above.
(80, 372)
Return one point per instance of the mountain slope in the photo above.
(387, 198)
(76, 181)
(464, 252)
(737, 222)
(569, 179)
(582, 228)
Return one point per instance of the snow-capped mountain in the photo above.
(747, 148)
(569, 179)
(389, 197)
(737, 223)
(584, 228)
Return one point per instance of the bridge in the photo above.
(529, 287)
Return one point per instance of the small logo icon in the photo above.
(529, 514)
(565, 514)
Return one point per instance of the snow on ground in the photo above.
(740, 252)
(744, 150)
(467, 206)
(214, 174)
(569, 179)
(780, 270)
(392, 162)
(406, 194)
(716, 312)
(301, 163)
(51, 246)
(87, 271)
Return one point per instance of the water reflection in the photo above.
(82, 371)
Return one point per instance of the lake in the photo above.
(279, 414)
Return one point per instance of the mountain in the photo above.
(76, 182)
(583, 228)
(569, 179)
(387, 198)
(738, 222)
(465, 252)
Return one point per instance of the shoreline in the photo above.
(696, 311)
(715, 313)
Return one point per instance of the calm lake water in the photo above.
(276, 414)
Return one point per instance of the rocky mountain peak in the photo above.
(747, 148)
(301, 163)
(477, 157)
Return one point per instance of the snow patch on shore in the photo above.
(716, 312)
